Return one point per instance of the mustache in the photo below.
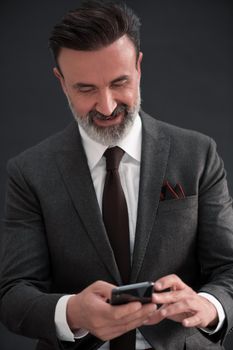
(119, 109)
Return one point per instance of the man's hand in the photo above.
(89, 310)
(182, 304)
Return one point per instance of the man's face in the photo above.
(102, 88)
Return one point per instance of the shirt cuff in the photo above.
(220, 311)
(63, 330)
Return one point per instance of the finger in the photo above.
(138, 322)
(194, 321)
(121, 328)
(119, 317)
(108, 333)
(180, 308)
(119, 312)
(112, 316)
(169, 281)
(171, 296)
(180, 311)
(117, 326)
(142, 314)
(201, 319)
(102, 288)
(154, 318)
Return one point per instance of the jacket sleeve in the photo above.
(215, 230)
(27, 299)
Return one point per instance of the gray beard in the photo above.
(108, 136)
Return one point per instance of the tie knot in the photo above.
(113, 157)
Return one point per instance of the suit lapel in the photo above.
(72, 164)
(74, 169)
(155, 151)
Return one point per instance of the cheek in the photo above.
(129, 96)
(82, 105)
(131, 93)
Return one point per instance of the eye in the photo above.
(86, 89)
(120, 83)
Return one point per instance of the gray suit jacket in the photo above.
(55, 241)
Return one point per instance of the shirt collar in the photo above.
(131, 144)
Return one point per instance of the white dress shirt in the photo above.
(129, 171)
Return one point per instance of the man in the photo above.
(59, 261)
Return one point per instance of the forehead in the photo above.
(117, 59)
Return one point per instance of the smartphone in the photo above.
(132, 292)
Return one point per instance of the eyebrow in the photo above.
(114, 81)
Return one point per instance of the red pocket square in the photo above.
(170, 192)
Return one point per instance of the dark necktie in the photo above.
(115, 217)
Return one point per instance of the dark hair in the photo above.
(94, 25)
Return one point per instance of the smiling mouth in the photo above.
(119, 111)
(108, 121)
(105, 117)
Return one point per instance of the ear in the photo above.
(139, 63)
(60, 77)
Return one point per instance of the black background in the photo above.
(187, 78)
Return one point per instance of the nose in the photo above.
(106, 102)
